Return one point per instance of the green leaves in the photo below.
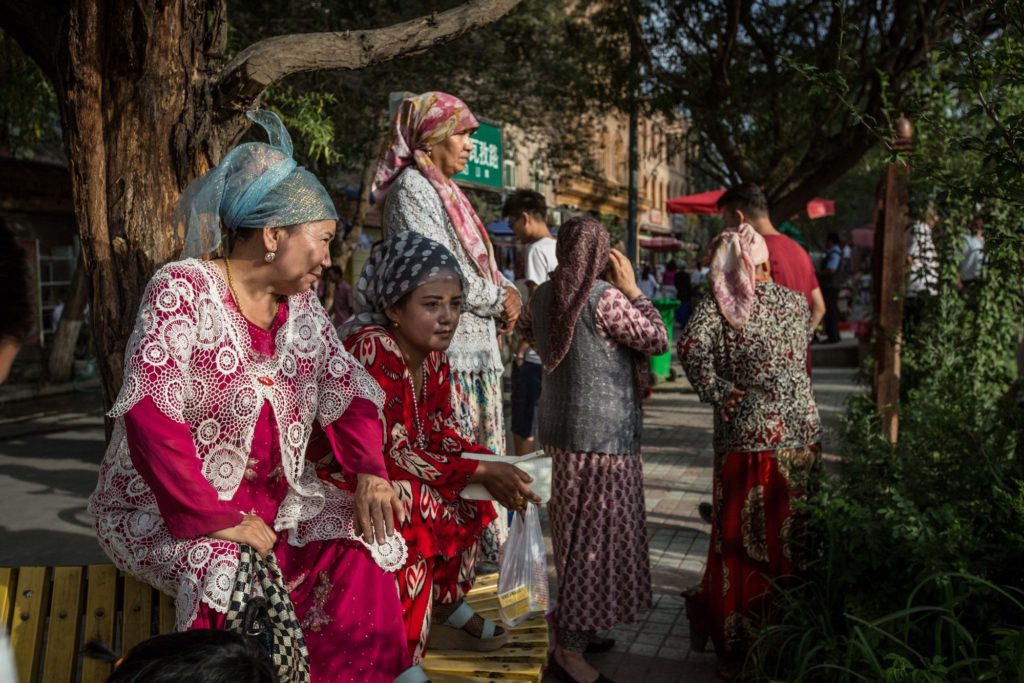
(29, 121)
(919, 545)
(308, 117)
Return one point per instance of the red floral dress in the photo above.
(423, 452)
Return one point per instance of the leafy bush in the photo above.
(920, 545)
(918, 576)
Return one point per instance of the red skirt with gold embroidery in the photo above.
(752, 533)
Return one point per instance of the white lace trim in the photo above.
(190, 353)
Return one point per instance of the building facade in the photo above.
(599, 184)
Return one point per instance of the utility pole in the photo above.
(634, 156)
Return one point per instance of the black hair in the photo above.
(16, 322)
(198, 656)
(745, 197)
(832, 238)
(525, 201)
(239, 235)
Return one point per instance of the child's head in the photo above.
(199, 656)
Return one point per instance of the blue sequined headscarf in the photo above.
(256, 185)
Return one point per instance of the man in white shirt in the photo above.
(526, 213)
(922, 267)
(974, 253)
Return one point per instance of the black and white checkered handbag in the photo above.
(260, 607)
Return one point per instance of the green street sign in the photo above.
(484, 167)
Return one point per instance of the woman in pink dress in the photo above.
(232, 366)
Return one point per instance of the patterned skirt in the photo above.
(752, 534)
(482, 418)
(599, 533)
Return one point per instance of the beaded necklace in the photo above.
(421, 437)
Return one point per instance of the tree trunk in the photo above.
(137, 121)
(888, 283)
(62, 354)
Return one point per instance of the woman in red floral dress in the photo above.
(409, 296)
(744, 351)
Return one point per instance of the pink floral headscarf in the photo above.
(735, 255)
(422, 121)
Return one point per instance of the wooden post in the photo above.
(889, 282)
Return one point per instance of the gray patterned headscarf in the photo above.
(398, 266)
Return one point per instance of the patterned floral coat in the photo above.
(765, 359)
(425, 465)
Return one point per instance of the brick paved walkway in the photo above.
(677, 476)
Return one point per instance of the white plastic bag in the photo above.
(523, 581)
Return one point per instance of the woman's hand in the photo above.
(252, 531)
(621, 274)
(513, 304)
(732, 403)
(377, 508)
(507, 483)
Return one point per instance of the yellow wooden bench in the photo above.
(50, 612)
(521, 659)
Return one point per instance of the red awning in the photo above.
(819, 208)
(695, 203)
(661, 244)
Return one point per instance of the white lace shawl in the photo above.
(413, 204)
(191, 354)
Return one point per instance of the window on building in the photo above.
(508, 174)
(536, 176)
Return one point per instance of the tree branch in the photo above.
(817, 176)
(267, 62)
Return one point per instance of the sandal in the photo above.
(452, 636)
(599, 646)
(559, 672)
